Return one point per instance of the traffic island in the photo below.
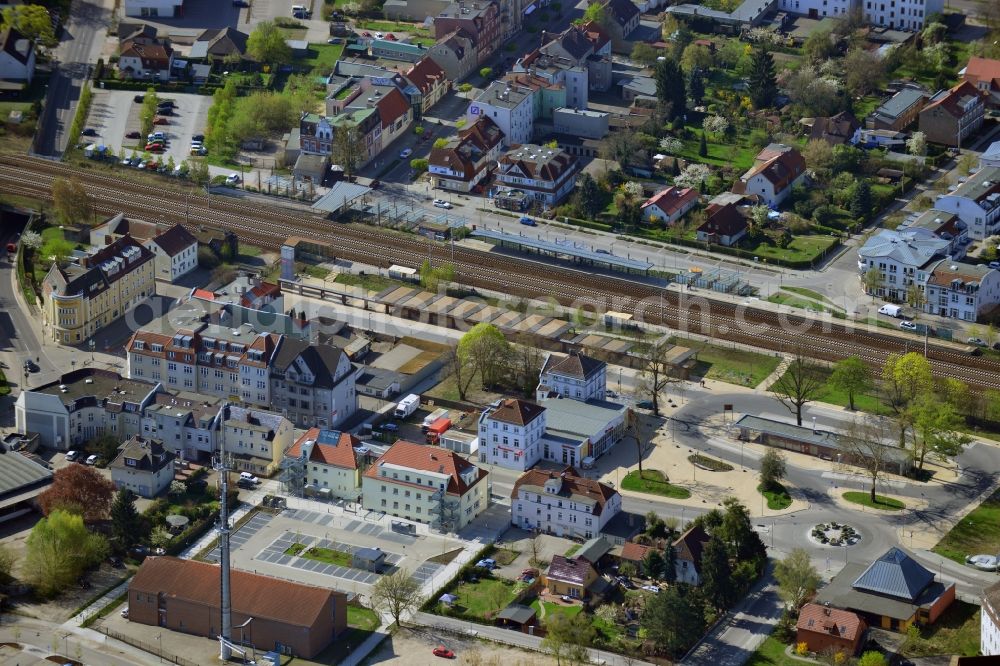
(654, 482)
(882, 503)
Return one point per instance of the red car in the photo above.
(154, 147)
(366, 34)
(161, 121)
(391, 37)
(11, 248)
(133, 135)
(442, 651)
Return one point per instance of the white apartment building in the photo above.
(188, 424)
(510, 107)
(989, 631)
(976, 202)
(902, 258)
(143, 466)
(254, 439)
(961, 291)
(153, 8)
(564, 504)
(426, 484)
(329, 465)
(175, 253)
(895, 14)
(510, 433)
(547, 175)
(313, 385)
(575, 376)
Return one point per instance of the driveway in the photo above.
(199, 15)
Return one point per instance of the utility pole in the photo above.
(225, 649)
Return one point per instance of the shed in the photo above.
(459, 442)
(369, 559)
(517, 615)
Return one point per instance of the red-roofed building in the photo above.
(669, 205)
(776, 170)
(425, 484)
(563, 503)
(330, 464)
(546, 174)
(430, 78)
(725, 225)
(984, 74)
(395, 112)
(688, 548)
(824, 629)
(951, 116)
(465, 161)
(150, 60)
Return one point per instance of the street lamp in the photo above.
(90, 343)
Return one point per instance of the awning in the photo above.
(530, 8)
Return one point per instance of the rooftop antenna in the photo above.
(225, 644)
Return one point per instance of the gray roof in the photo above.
(563, 249)
(253, 419)
(503, 94)
(340, 195)
(18, 474)
(910, 247)
(594, 550)
(806, 434)
(750, 10)
(991, 153)
(895, 574)
(641, 85)
(577, 419)
(369, 554)
(979, 184)
(517, 613)
(899, 103)
(575, 364)
(99, 386)
(840, 593)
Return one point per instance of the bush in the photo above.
(207, 258)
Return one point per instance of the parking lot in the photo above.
(317, 30)
(114, 113)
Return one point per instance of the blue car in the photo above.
(527, 221)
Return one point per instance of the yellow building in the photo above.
(95, 290)
(329, 464)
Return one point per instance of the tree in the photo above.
(31, 240)
(737, 532)
(915, 297)
(861, 202)
(852, 376)
(820, 46)
(126, 523)
(797, 578)
(588, 196)
(669, 563)
(763, 84)
(865, 444)
(266, 44)
(59, 550)
(716, 573)
(486, 349)
(396, 594)
(819, 157)
(696, 56)
(872, 279)
(486, 72)
(440, 143)
(917, 143)
(872, 658)
(674, 619)
(799, 385)
(629, 204)
(348, 147)
(32, 21)
(905, 378)
(644, 54)
(693, 175)
(419, 164)
(70, 201)
(78, 489)
(595, 12)
(670, 88)
(567, 637)
(655, 374)
(937, 429)
(147, 114)
(199, 173)
(772, 469)
(462, 370)
(620, 146)
(696, 85)
(672, 145)
(863, 71)
(7, 560)
(653, 564)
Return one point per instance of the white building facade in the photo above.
(510, 434)
(153, 8)
(896, 14)
(976, 202)
(511, 108)
(575, 376)
(961, 291)
(564, 504)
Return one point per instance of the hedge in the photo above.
(196, 531)
(82, 111)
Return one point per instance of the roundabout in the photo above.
(838, 535)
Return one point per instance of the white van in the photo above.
(891, 310)
(248, 477)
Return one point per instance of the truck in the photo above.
(432, 417)
(891, 310)
(437, 429)
(407, 406)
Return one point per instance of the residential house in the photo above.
(81, 405)
(902, 15)
(219, 44)
(546, 174)
(96, 289)
(836, 130)
(189, 424)
(480, 19)
(143, 466)
(991, 156)
(273, 613)
(595, 550)
(464, 162)
(562, 503)
(636, 554)
(145, 60)
(26, 476)
(898, 112)
(317, 132)
(989, 624)
(426, 484)
(255, 439)
(952, 116)
(154, 8)
(313, 385)
(725, 225)
(574, 375)
(622, 19)
(395, 50)
(329, 465)
(570, 577)
(413, 10)
(688, 548)
(175, 253)
(777, 169)
(579, 58)
(510, 433)
(395, 113)
(894, 592)
(512, 13)
(823, 629)
(962, 291)
(669, 205)
(511, 108)
(432, 82)
(944, 225)
(17, 56)
(456, 54)
(984, 74)
(976, 202)
(903, 258)
(638, 87)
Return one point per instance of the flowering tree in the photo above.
(715, 125)
(693, 175)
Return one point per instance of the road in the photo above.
(82, 41)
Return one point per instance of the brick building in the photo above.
(825, 629)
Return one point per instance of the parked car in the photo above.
(125, 613)
(487, 563)
(335, 40)
(154, 147)
(379, 35)
(651, 588)
(442, 651)
(907, 326)
(31, 366)
(240, 3)
(11, 248)
(90, 131)
(116, 562)
(366, 34)
(374, 184)
(72, 455)
(156, 135)
(160, 120)
(198, 137)
(625, 582)
(644, 404)
(168, 103)
(247, 476)
(405, 152)
(441, 203)
(979, 342)
(527, 221)
(91, 459)
(232, 179)
(126, 161)
(391, 37)
(389, 427)
(247, 485)
(135, 134)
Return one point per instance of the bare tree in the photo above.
(461, 368)
(866, 444)
(536, 550)
(396, 593)
(799, 385)
(656, 369)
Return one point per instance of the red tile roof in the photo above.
(516, 412)
(690, 544)
(153, 56)
(723, 221)
(952, 101)
(252, 594)
(340, 454)
(981, 71)
(426, 74)
(781, 169)
(596, 34)
(672, 199)
(833, 621)
(391, 107)
(572, 484)
(635, 552)
(427, 459)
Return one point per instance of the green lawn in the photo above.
(802, 248)
(881, 501)
(369, 282)
(317, 272)
(804, 304)
(957, 632)
(412, 29)
(738, 156)
(294, 33)
(777, 498)
(863, 402)
(327, 555)
(361, 623)
(808, 293)
(362, 618)
(733, 365)
(772, 653)
(710, 463)
(322, 57)
(552, 608)
(54, 244)
(653, 482)
(34, 92)
(978, 532)
(572, 550)
(484, 598)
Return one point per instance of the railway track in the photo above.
(120, 191)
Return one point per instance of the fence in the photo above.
(148, 647)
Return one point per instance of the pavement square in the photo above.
(352, 526)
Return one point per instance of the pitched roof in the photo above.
(391, 107)
(430, 459)
(568, 570)
(253, 595)
(947, 272)
(538, 162)
(322, 360)
(832, 621)
(895, 574)
(899, 103)
(597, 35)
(984, 73)
(956, 101)
(780, 169)
(723, 221)
(148, 454)
(224, 41)
(579, 488)
(594, 549)
(836, 129)
(622, 11)
(426, 74)
(175, 240)
(98, 271)
(635, 552)
(16, 45)
(153, 55)
(689, 545)
(672, 199)
(516, 412)
(330, 447)
(574, 42)
(484, 133)
(910, 247)
(574, 364)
